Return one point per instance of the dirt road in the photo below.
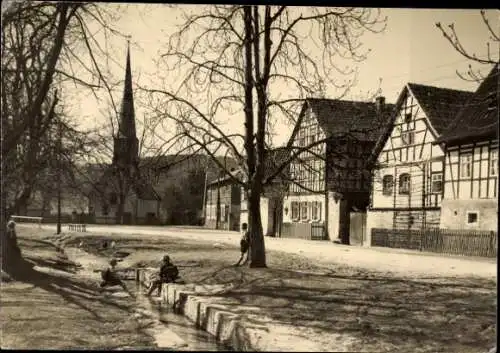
(394, 261)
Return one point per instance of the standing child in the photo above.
(244, 243)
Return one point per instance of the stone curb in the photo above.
(196, 303)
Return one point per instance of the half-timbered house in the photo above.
(470, 199)
(331, 181)
(408, 180)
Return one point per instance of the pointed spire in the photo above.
(127, 113)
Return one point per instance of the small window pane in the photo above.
(472, 217)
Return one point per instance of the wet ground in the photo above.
(167, 325)
(170, 331)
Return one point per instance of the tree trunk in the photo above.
(257, 246)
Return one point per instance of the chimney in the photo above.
(380, 103)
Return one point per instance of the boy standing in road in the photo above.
(244, 244)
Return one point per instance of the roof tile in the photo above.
(479, 117)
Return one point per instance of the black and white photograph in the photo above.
(249, 177)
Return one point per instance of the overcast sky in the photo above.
(411, 49)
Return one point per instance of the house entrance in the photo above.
(357, 229)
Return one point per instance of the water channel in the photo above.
(171, 331)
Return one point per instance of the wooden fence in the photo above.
(439, 240)
(72, 227)
(308, 231)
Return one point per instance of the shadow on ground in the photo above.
(42, 303)
(383, 312)
(425, 315)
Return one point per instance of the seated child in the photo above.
(169, 273)
(110, 277)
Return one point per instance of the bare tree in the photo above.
(492, 47)
(263, 61)
(43, 46)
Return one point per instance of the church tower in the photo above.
(126, 144)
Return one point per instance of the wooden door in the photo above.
(357, 228)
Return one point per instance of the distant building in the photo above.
(222, 204)
(470, 199)
(408, 181)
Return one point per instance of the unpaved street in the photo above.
(400, 262)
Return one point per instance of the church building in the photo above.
(122, 196)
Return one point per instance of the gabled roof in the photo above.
(440, 105)
(361, 119)
(479, 117)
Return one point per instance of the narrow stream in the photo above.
(170, 331)
(169, 325)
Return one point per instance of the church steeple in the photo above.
(126, 143)
(127, 113)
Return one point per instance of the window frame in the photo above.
(465, 160)
(404, 140)
(467, 214)
(304, 216)
(390, 190)
(315, 208)
(294, 206)
(493, 162)
(433, 174)
(402, 190)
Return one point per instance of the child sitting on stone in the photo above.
(169, 273)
